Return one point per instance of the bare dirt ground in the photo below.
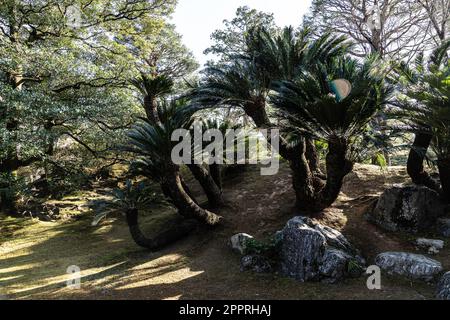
(34, 256)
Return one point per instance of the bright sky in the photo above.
(197, 19)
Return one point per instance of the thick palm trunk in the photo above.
(313, 159)
(338, 167)
(257, 112)
(216, 173)
(151, 109)
(212, 190)
(186, 206)
(416, 159)
(7, 202)
(311, 197)
(444, 173)
(188, 190)
(302, 178)
(163, 239)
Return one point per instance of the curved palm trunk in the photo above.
(216, 173)
(161, 240)
(311, 197)
(415, 162)
(212, 190)
(188, 190)
(444, 173)
(186, 206)
(257, 112)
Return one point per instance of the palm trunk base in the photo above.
(164, 238)
(444, 173)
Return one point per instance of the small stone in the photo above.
(443, 288)
(238, 242)
(412, 266)
(255, 263)
(433, 246)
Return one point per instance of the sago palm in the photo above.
(131, 200)
(425, 107)
(153, 145)
(152, 88)
(311, 107)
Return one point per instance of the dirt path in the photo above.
(34, 256)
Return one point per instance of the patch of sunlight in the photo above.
(18, 268)
(178, 297)
(11, 278)
(116, 241)
(160, 262)
(23, 245)
(165, 278)
(103, 229)
(62, 279)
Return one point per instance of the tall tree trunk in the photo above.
(416, 159)
(164, 238)
(151, 109)
(444, 173)
(186, 206)
(212, 190)
(8, 196)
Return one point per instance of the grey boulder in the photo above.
(409, 209)
(433, 246)
(411, 266)
(443, 288)
(313, 252)
(443, 226)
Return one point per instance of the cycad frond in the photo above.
(155, 86)
(152, 143)
(425, 101)
(309, 106)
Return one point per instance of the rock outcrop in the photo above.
(409, 209)
(313, 252)
(443, 226)
(443, 288)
